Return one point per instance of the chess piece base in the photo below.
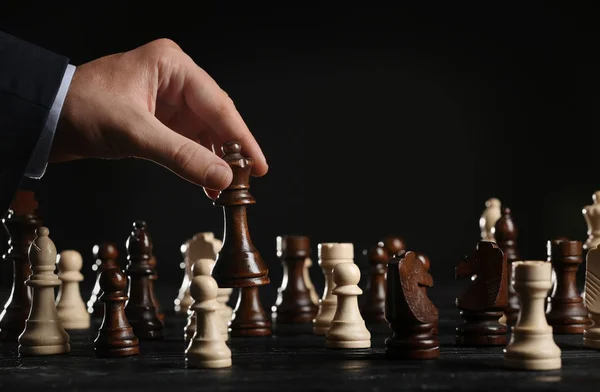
(348, 344)
(296, 316)
(533, 364)
(571, 329)
(149, 334)
(55, 349)
(591, 338)
(109, 352)
(481, 340)
(481, 329)
(411, 353)
(194, 362)
(251, 331)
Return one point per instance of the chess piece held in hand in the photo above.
(44, 333)
(69, 304)
(238, 264)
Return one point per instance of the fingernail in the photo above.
(218, 176)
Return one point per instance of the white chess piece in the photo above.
(330, 255)
(184, 299)
(203, 267)
(43, 333)
(69, 304)
(347, 328)
(225, 311)
(532, 345)
(207, 348)
(591, 334)
(488, 219)
(591, 214)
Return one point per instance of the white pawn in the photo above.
(330, 255)
(43, 333)
(532, 345)
(488, 219)
(207, 348)
(348, 329)
(203, 267)
(69, 304)
(225, 311)
(591, 333)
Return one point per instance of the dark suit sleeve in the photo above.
(30, 77)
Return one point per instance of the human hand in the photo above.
(155, 103)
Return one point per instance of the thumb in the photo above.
(183, 156)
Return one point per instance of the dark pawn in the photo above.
(373, 309)
(20, 223)
(294, 304)
(153, 279)
(566, 312)
(115, 337)
(106, 256)
(411, 313)
(393, 244)
(249, 317)
(482, 304)
(238, 264)
(140, 310)
(505, 233)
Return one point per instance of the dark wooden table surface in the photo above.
(296, 360)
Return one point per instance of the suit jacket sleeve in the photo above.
(30, 77)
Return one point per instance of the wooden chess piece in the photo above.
(153, 278)
(591, 214)
(505, 232)
(225, 311)
(43, 333)
(482, 304)
(314, 297)
(20, 223)
(106, 255)
(140, 310)
(488, 219)
(203, 267)
(348, 329)
(566, 313)
(409, 310)
(294, 304)
(330, 255)
(591, 333)
(393, 244)
(532, 345)
(249, 317)
(427, 265)
(184, 298)
(238, 264)
(373, 309)
(207, 349)
(115, 336)
(69, 304)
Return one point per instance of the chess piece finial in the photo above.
(591, 333)
(532, 345)
(505, 232)
(294, 304)
(488, 219)
(140, 309)
(239, 264)
(69, 304)
(207, 348)
(20, 223)
(373, 309)
(591, 214)
(44, 333)
(330, 255)
(482, 304)
(410, 312)
(115, 336)
(347, 329)
(106, 255)
(566, 312)
(393, 244)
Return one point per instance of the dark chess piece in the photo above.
(140, 310)
(483, 303)
(153, 279)
(566, 312)
(409, 310)
(393, 244)
(427, 264)
(373, 308)
(505, 232)
(115, 337)
(249, 317)
(106, 255)
(238, 264)
(294, 304)
(20, 223)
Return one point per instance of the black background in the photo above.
(374, 121)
